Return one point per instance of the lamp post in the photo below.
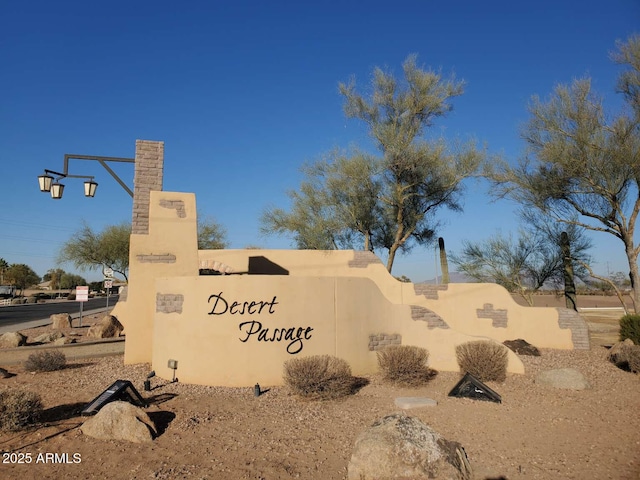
(49, 183)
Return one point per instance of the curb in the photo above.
(103, 348)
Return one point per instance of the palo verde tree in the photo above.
(211, 235)
(91, 250)
(387, 202)
(336, 207)
(583, 166)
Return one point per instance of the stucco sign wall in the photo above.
(238, 327)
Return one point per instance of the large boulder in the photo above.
(568, 378)
(60, 321)
(49, 337)
(120, 421)
(619, 353)
(108, 327)
(401, 446)
(12, 340)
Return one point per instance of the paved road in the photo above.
(17, 317)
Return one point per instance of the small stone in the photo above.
(407, 403)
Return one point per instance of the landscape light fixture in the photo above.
(173, 365)
(50, 180)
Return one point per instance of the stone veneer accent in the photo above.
(432, 318)
(383, 340)
(362, 259)
(498, 317)
(159, 258)
(579, 330)
(147, 177)
(169, 303)
(178, 205)
(429, 291)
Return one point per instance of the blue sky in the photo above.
(244, 92)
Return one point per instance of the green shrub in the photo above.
(319, 377)
(18, 409)
(484, 359)
(45, 361)
(405, 365)
(630, 328)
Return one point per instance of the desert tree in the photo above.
(419, 176)
(335, 207)
(21, 276)
(91, 250)
(582, 166)
(211, 234)
(54, 275)
(527, 263)
(388, 201)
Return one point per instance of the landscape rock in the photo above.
(12, 340)
(401, 446)
(49, 337)
(60, 321)
(63, 341)
(619, 353)
(5, 373)
(120, 421)
(407, 403)
(568, 378)
(108, 327)
(522, 347)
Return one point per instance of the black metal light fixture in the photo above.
(56, 190)
(49, 183)
(90, 188)
(45, 181)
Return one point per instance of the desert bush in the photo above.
(405, 365)
(18, 409)
(484, 359)
(633, 357)
(319, 377)
(630, 328)
(45, 361)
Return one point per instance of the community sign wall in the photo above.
(233, 317)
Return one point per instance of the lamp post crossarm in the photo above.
(103, 161)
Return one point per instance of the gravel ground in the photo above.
(537, 432)
(212, 432)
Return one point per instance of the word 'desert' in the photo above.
(255, 328)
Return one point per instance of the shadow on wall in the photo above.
(258, 265)
(263, 266)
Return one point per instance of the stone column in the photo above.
(147, 177)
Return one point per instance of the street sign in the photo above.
(82, 294)
(108, 283)
(108, 272)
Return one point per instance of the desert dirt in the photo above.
(537, 432)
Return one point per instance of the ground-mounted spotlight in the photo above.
(173, 365)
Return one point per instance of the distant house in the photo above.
(44, 285)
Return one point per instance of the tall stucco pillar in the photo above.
(147, 177)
